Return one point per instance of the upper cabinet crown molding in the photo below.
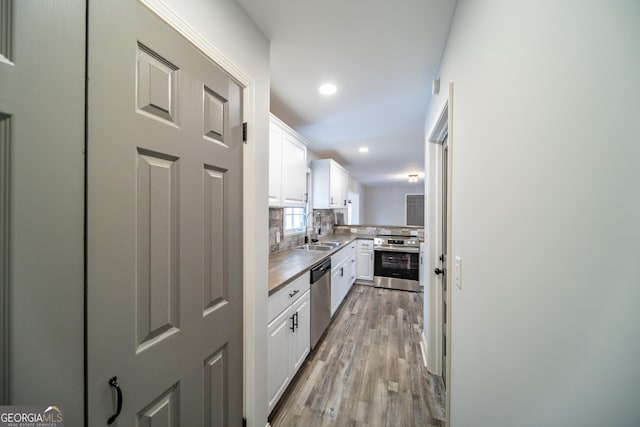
(287, 165)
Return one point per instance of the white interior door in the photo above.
(164, 226)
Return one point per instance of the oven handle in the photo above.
(405, 250)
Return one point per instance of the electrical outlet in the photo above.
(458, 271)
(354, 230)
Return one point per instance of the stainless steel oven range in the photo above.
(396, 262)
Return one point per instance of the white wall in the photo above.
(546, 328)
(225, 26)
(385, 204)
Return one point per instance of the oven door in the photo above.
(397, 264)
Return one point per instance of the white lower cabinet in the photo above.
(301, 338)
(364, 259)
(343, 274)
(279, 372)
(289, 339)
(337, 273)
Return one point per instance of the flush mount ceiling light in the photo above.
(413, 178)
(328, 89)
(363, 149)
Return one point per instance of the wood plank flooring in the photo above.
(367, 370)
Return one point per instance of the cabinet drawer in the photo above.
(286, 296)
(365, 244)
(343, 254)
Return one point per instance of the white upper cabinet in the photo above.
(294, 171)
(330, 183)
(275, 164)
(287, 165)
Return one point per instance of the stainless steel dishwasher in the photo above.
(320, 299)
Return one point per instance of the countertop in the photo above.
(287, 265)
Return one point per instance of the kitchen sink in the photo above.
(332, 244)
(314, 247)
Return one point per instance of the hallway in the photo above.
(368, 369)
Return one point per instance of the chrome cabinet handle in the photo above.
(113, 382)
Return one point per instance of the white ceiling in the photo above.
(382, 54)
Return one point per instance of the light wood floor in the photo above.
(367, 370)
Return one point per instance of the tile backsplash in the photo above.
(322, 219)
(373, 230)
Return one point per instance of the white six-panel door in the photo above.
(164, 226)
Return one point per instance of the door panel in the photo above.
(157, 249)
(165, 225)
(216, 379)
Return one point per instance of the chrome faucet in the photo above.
(306, 225)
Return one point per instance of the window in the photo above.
(293, 220)
(414, 209)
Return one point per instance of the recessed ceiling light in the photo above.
(328, 89)
(363, 149)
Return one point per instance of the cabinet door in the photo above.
(302, 337)
(294, 171)
(364, 264)
(279, 356)
(352, 270)
(335, 185)
(336, 285)
(275, 164)
(344, 187)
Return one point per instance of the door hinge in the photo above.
(244, 132)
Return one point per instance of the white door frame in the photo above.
(249, 160)
(440, 131)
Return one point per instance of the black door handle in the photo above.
(438, 271)
(113, 382)
(293, 323)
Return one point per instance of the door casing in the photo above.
(441, 130)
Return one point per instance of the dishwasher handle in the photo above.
(320, 270)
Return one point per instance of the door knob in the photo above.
(438, 271)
